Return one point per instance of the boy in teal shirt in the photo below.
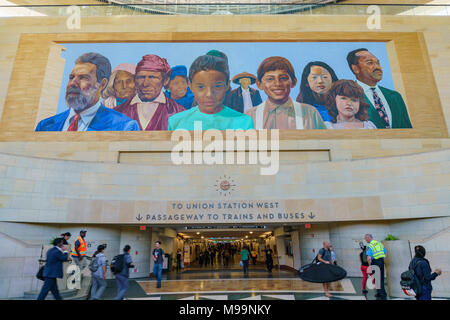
(209, 78)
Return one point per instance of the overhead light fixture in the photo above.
(251, 232)
(198, 232)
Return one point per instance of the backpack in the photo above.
(364, 257)
(410, 283)
(117, 263)
(93, 266)
(40, 273)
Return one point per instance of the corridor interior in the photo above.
(209, 267)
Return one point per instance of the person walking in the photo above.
(99, 275)
(200, 259)
(124, 274)
(220, 256)
(269, 258)
(422, 269)
(53, 269)
(254, 256)
(212, 256)
(324, 256)
(333, 255)
(158, 258)
(245, 254)
(364, 266)
(375, 256)
(178, 260)
(227, 255)
(66, 236)
(79, 250)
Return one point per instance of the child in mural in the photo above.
(85, 112)
(178, 89)
(346, 107)
(317, 78)
(244, 97)
(276, 77)
(121, 85)
(209, 79)
(150, 107)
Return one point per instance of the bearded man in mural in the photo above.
(87, 80)
(150, 107)
(387, 108)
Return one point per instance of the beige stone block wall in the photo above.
(58, 191)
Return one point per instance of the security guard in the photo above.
(79, 250)
(375, 256)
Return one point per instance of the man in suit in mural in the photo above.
(150, 107)
(244, 97)
(86, 113)
(387, 108)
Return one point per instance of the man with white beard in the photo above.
(87, 80)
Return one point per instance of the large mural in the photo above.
(282, 85)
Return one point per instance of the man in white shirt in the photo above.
(387, 108)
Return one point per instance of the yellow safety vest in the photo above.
(377, 249)
(82, 248)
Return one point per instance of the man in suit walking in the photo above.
(53, 269)
(87, 80)
(387, 108)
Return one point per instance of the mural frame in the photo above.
(37, 52)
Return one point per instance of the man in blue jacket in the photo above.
(53, 269)
(87, 80)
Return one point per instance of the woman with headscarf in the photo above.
(120, 86)
(317, 78)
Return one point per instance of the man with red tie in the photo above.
(87, 80)
(387, 108)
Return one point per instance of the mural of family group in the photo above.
(153, 95)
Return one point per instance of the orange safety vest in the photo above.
(82, 248)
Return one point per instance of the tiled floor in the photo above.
(230, 284)
(238, 285)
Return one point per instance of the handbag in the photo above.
(241, 263)
(40, 273)
(318, 272)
